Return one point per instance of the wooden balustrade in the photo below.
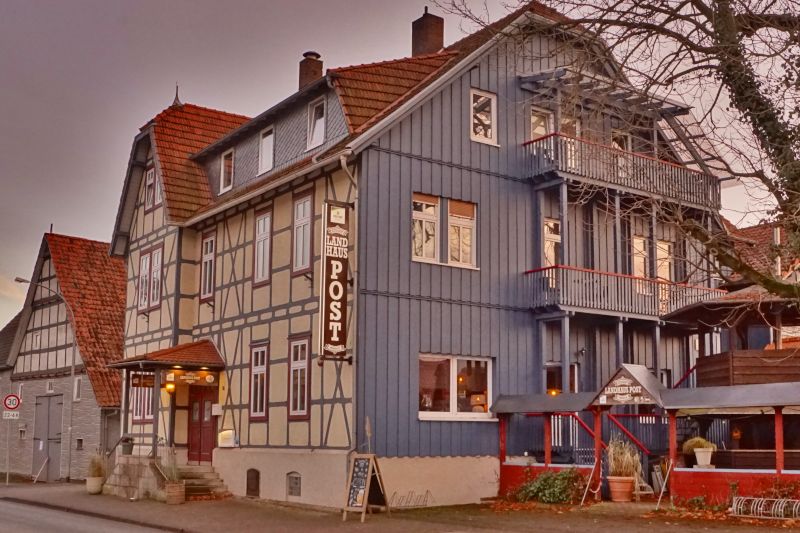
(748, 367)
(579, 288)
(628, 170)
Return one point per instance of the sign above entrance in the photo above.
(191, 377)
(333, 294)
(143, 380)
(631, 385)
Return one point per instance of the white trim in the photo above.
(262, 169)
(310, 119)
(149, 181)
(427, 416)
(208, 261)
(426, 218)
(550, 120)
(453, 414)
(225, 154)
(296, 366)
(463, 223)
(492, 139)
(262, 259)
(143, 295)
(303, 223)
(259, 370)
(77, 389)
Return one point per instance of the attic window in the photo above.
(152, 189)
(226, 172)
(316, 123)
(266, 150)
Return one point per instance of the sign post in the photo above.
(335, 272)
(11, 403)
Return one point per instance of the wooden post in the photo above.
(779, 440)
(620, 343)
(548, 439)
(566, 357)
(598, 449)
(502, 427)
(156, 409)
(126, 401)
(673, 446)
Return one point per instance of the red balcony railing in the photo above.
(622, 294)
(631, 171)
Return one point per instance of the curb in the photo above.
(93, 514)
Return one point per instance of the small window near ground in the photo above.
(425, 227)
(316, 123)
(461, 232)
(226, 172)
(253, 483)
(78, 444)
(266, 150)
(22, 433)
(454, 387)
(484, 117)
(293, 485)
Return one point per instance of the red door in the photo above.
(202, 425)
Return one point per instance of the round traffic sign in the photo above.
(11, 402)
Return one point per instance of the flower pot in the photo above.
(703, 456)
(127, 448)
(175, 492)
(621, 488)
(94, 485)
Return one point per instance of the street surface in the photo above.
(21, 518)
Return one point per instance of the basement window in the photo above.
(293, 484)
(78, 444)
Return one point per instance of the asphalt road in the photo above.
(21, 518)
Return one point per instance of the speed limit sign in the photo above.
(11, 402)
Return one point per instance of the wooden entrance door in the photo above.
(202, 424)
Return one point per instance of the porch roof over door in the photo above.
(198, 355)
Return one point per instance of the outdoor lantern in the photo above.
(553, 392)
(170, 387)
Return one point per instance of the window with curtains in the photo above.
(299, 359)
(461, 233)
(261, 268)
(207, 267)
(301, 236)
(259, 357)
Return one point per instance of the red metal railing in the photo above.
(631, 170)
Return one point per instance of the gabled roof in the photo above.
(93, 284)
(202, 353)
(7, 335)
(178, 132)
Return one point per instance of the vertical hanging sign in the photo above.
(333, 293)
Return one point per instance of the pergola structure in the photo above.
(635, 385)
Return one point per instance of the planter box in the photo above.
(94, 485)
(703, 456)
(621, 488)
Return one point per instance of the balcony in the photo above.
(610, 167)
(608, 293)
(748, 367)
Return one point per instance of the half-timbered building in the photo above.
(58, 346)
(501, 238)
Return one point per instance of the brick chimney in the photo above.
(310, 69)
(427, 34)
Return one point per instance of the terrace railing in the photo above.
(621, 294)
(627, 170)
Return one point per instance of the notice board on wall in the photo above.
(365, 487)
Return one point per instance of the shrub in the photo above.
(97, 466)
(697, 442)
(566, 486)
(622, 458)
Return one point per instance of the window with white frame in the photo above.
(554, 375)
(155, 276)
(207, 267)
(258, 381)
(552, 242)
(266, 150)
(461, 232)
(640, 263)
(454, 387)
(483, 122)
(226, 171)
(425, 227)
(149, 188)
(541, 123)
(76, 389)
(299, 360)
(157, 193)
(262, 247)
(316, 123)
(301, 234)
(144, 282)
(141, 398)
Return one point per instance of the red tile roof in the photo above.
(7, 339)
(194, 354)
(94, 285)
(180, 131)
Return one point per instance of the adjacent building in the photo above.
(500, 237)
(55, 353)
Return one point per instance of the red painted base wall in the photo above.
(512, 476)
(717, 487)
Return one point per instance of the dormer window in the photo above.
(149, 188)
(266, 150)
(316, 123)
(226, 172)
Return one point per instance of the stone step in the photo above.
(198, 475)
(195, 468)
(198, 490)
(202, 482)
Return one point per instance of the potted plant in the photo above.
(174, 486)
(96, 475)
(623, 468)
(127, 445)
(701, 448)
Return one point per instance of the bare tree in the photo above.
(737, 62)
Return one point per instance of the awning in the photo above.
(542, 403)
(732, 399)
(199, 355)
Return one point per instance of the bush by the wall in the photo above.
(566, 486)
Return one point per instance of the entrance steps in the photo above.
(202, 482)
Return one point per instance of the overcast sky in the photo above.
(78, 78)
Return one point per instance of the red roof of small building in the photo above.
(7, 335)
(202, 353)
(178, 132)
(94, 285)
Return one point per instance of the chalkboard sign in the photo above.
(365, 486)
